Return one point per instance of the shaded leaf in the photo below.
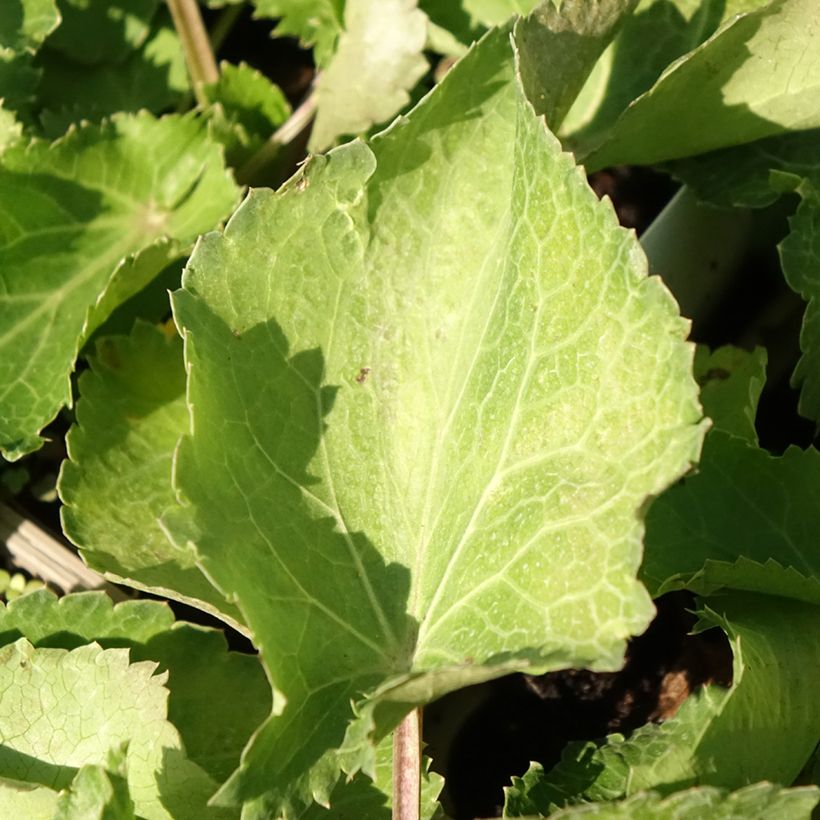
(431, 388)
(98, 792)
(152, 77)
(758, 75)
(102, 32)
(117, 482)
(316, 23)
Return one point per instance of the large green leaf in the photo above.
(431, 389)
(762, 801)
(377, 61)
(758, 75)
(117, 482)
(71, 214)
(764, 727)
(49, 730)
(203, 677)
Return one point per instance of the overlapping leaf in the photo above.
(203, 678)
(71, 215)
(759, 173)
(117, 482)
(765, 726)
(153, 77)
(757, 76)
(378, 60)
(431, 389)
(24, 25)
(762, 801)
(49, 732)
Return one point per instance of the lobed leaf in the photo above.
(431, 389)
(116, 484)
(71, 215)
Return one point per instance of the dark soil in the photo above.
(509, 722)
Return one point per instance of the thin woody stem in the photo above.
(287, 132)
(407, 768)
(195, 44)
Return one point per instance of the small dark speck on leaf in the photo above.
(717, 374)
(363, 374)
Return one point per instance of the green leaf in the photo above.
(251, 109)
(154, 77)
(762, 801)
(743, 505)
(102, 32)
(758, 75)
(753, 175)
(731, 381)
(657, 34)
(25, 800)
(495, 12)
(765, 726)
(87, 616)
(555, 51)
(316, 23)
(117, 482)
(24, 25)
(204, 679)
(10, 130)
(431, 388)
(71, 215)
(49, 732)
(377, 62)
(372, 798)
(98, 792)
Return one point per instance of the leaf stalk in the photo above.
(407, 768)
(196, 44)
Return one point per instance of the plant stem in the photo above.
(289, 130)
(223, 25)
(196, 45)
(407, 768)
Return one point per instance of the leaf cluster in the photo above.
(417, 419)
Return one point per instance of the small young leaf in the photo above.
(316, 23)
(431, 388)
(117, 482)
(71, 214)
(98, 792)
(377, 62)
